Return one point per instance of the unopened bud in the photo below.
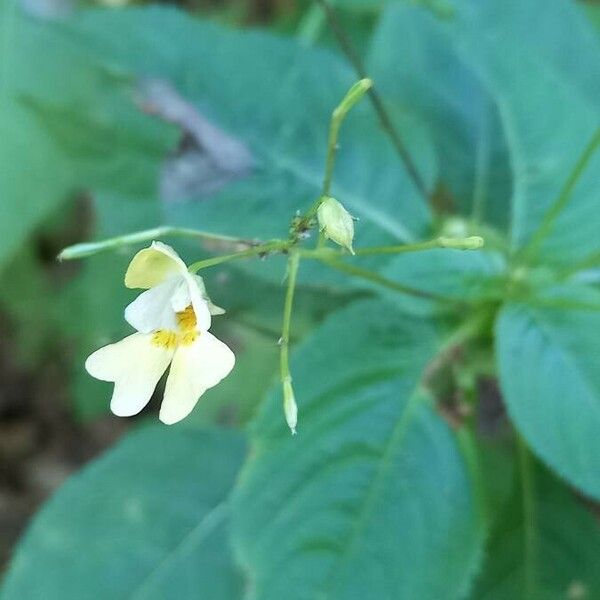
(289, 405)
(354, 94)
(336, 223)
(80, 250)
(470, 243)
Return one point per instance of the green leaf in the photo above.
(103, 137)
(593, 12)
(546, 87)
(465, 71)
(455, 274)
(441, 8)
(32, 181)
(550, 377)
(24, 289)
(58, 133)
(147, 520)
(417, 65)
(281, 120)
(565, 544)
(372, 498)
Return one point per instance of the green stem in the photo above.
(354, 94)
(470, 328)
(529, 537)
(262, 249)
(399, 249)
(564, 197)
(591, 261)
(311, 25)
(383, 281)
(289, 402)
(378, 105)
(469, 243)
(326, 253)
(90, 248)
(562, 304)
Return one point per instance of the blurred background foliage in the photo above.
(123, 116)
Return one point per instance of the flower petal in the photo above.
(213, 309)
(153, 309)
(153, 265)
(188, 293)
(199, 304)
(135, 365)
(195, 368)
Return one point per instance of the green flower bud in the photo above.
(336, 223)
(471, 243)
(289, 405)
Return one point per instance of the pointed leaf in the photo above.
(372, 498)
(550, 377)
(562, 562)
(149, 520)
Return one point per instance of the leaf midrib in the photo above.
(196, 536)
(396, 437)
(384, 221)
(569, 359)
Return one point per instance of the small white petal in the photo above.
(213, 309)
(195, 368)
(181, 297)
(188, 293)
(135, 365)
(199, 304)
(152, 309)
(153, 265)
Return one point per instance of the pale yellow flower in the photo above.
(172, 318)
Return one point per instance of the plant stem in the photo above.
(469, 243)
(311, 25)
(399, 249)
(383, 281)
(284, 360)
(564, 197)
(382, 114)
(90, 248)
(261, 249)
(528, 498)
(591, 261)
(353, 95)
(470, 328)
